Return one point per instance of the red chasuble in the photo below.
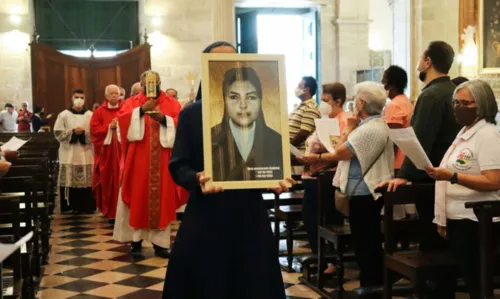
(147, 186)
(106, 178)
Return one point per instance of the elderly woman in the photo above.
(470, 171)
(368, 157)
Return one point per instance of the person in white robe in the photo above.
(76, 157)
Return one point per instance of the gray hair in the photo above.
(136, 84)
(487, 107)
(111, 86)
(374, 96)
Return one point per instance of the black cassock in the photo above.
(224, 247)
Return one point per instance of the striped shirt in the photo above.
(302, 118)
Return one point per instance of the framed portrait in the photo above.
(489, 36)
(245, 120)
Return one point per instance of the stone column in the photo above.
(223, 20)
(353, 31)
(430, 21)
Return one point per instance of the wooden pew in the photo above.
(417, 266)
(17, 282)
(287, 207)
(38, 168)
(489, 256)
(25, 188)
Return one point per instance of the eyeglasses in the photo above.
(462, 103)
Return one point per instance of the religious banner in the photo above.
(245, 120)
(489, 36)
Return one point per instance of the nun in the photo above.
(224, 248)
(242, 143)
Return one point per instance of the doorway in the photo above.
(292, 32)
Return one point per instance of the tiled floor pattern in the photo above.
(86, 263)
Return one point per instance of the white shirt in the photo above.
(9, 121)
(244, 138)
(477, 151)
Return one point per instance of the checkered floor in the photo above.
(86, 263)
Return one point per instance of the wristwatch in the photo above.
(454, 179)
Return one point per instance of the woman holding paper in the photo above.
(332, 103)
(368, 158)
(469, 171)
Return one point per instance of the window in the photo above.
(76, 24)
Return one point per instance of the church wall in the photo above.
(15, 60)
(178, 31)
(380, 37)
(433, 20)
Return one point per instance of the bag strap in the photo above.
(370, 167)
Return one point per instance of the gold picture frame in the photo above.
(488, 44)
(245, 115)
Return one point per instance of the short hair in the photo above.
(9, 105)
(172, 89)
(37, 109)
(111, 86)
(373, 94)
(311, 83)
(396, 76)
(483, 95)
(337, 90)
(242, 74)
(441, 55)
(459, 80)
(121, 89)
(78, 91)
(133, 87)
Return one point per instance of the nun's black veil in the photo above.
(207, 50)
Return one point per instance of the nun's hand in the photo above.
(283, 186)
(202, 179)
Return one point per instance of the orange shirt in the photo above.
(399, 111)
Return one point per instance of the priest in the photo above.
(122, 94)
(148, 197)
(107, 152)
(135, 89)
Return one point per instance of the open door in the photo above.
(247, 33)
(309, 42)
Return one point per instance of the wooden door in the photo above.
(55, 75)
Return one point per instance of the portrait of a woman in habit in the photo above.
(243, 146)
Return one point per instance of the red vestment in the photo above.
(147, 186)
(106, 177)
(24, 125)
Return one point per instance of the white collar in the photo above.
(469, 133)
(244, 138)
(113, 106)
(239, 130)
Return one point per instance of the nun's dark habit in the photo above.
(224, 248)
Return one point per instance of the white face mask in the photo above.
(78, 103)
(325, 109)
(299, 92)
